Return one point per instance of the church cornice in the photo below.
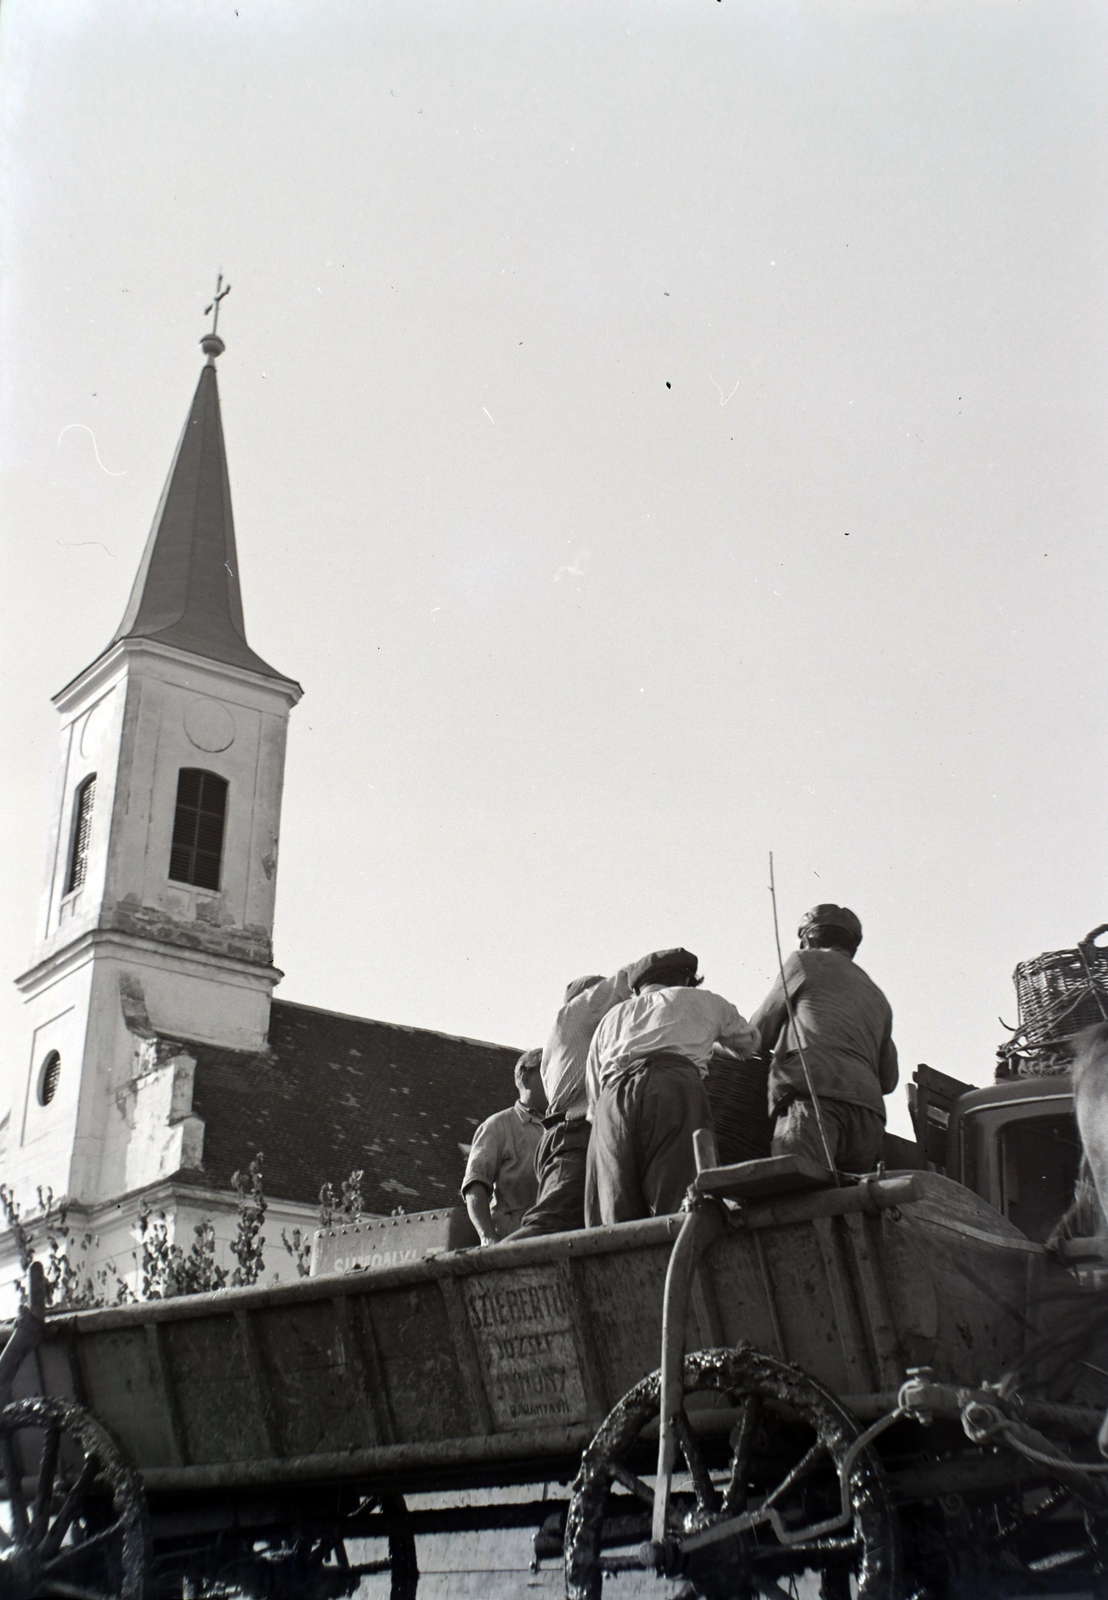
(210, 674)
(110, 941)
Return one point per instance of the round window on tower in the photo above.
(49, 1073)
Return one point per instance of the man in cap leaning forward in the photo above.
(845, 1026)
(561, 1156)
(645, 1078)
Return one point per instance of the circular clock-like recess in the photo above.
(209, 725)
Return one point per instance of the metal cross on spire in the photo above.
(220, 294)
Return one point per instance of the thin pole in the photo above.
(795, 1026)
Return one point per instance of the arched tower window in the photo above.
(82, 832)
(197, 851)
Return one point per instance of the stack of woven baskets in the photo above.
(1059, 994)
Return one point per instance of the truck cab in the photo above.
(1014, 1143)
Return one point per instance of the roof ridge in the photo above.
(400, 1027)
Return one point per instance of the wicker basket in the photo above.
(1059, 993)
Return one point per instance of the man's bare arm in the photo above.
(478, 1198)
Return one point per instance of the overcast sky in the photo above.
(659, 434)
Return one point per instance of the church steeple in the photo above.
(157, 913)
(186, 592)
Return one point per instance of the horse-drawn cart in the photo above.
(830, 1420)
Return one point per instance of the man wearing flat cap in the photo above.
(499, 1182)
(645, 1079)
(560, 1160)
(844, 1025)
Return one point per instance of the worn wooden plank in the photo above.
(302, 1357)
(259, 1380)
(466, 1355)
(163, 1384)
(354, 1365)
(754, 1180)
(214, 1387)
(706, 1310)
(627, 1344)
(597, 1403)
(364, 1340)
(878, 1319)
(838, 1287)
(771, 1303)
(425, 1385)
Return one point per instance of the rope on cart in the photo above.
(983, 1422)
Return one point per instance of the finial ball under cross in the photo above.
(211, 344)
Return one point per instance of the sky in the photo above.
(659, 435)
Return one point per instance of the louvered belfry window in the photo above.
(197, 851)
(82, 832)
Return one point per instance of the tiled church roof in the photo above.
(335, 1093)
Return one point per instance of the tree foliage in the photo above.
(165, 1268)
(345, 1206)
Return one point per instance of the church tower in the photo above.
(156, 921)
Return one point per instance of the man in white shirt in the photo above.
(645, 1083)
(499, 1182)
(560, 1160)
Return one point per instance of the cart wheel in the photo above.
(789, 1440)
(77, 1524)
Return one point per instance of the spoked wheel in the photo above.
(319, 1562)
(76, 1525)
(779, 1463)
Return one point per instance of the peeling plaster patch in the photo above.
(269, 864)
(250, 943)
(132, 1001)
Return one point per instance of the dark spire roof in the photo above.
(186, 592)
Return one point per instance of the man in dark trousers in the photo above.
(845, 1026)
(645, 1079)
(561, 1156)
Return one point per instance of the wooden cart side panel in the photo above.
(215, 1391)
(621, 1296)
(786, 1291)
(314, 1392)
(746, 1292)
(127, 1393)
(860, 1237)
(426, 1388)
(367, 1385)
(523, 1328)
(55, 1370)
(847, 1313)
(981, 1309)
(956, 1277)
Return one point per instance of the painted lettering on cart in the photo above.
(370, 1261)
(525, 1341)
